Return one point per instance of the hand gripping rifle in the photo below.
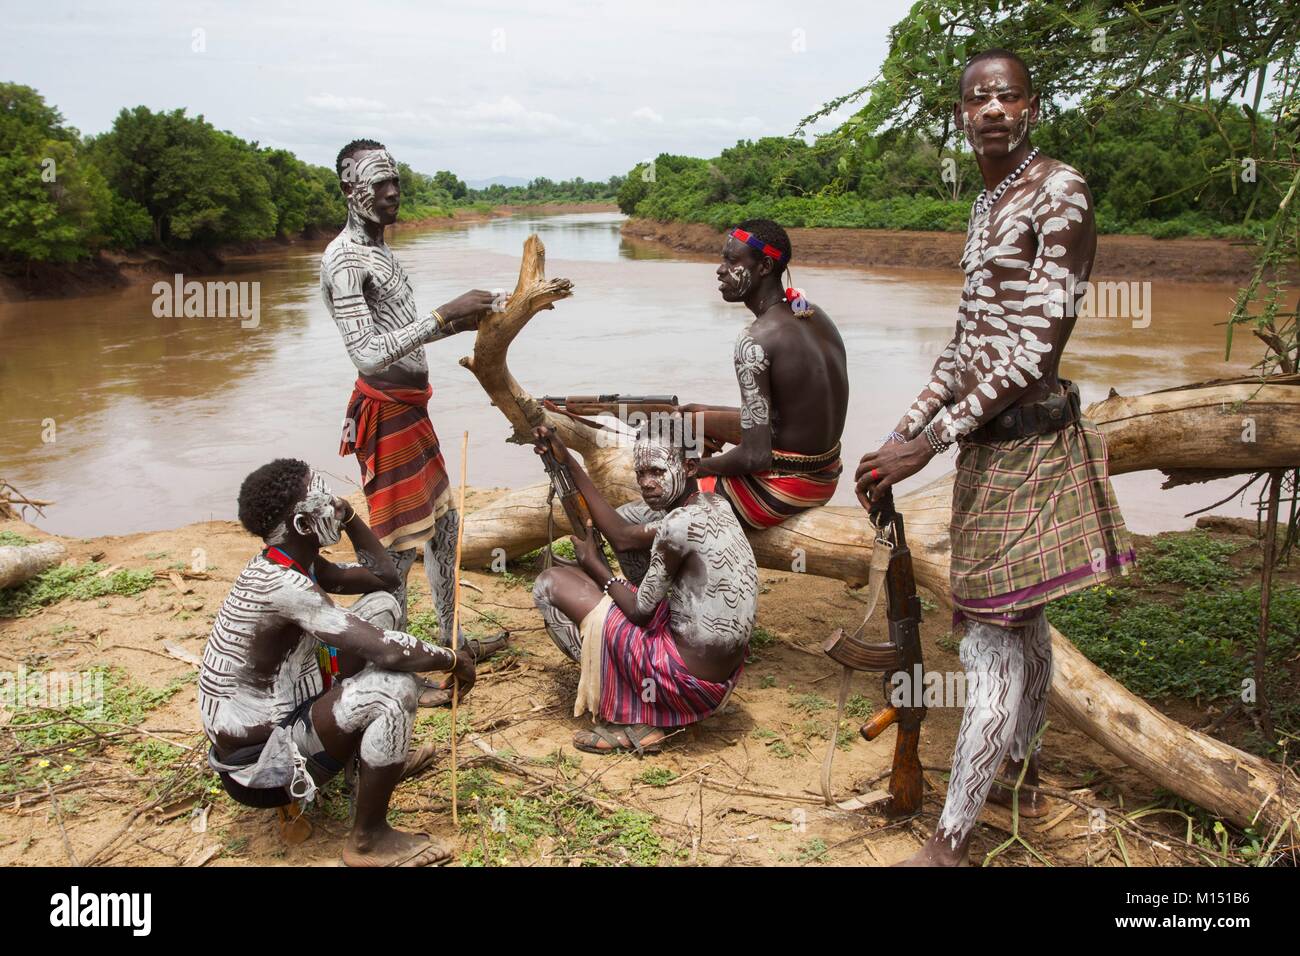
(899, 659)
(571, 499)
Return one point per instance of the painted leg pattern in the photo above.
(1037, 637)
(383, 703)
(440, 568)
(995, 678)
(562, 629)
(403, 560)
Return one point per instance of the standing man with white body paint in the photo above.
(1034, 516)
(276, 731)
(387, 423)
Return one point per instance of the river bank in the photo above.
(113, 269)
(1133, 258)
(740, 788)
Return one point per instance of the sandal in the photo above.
(622, 739)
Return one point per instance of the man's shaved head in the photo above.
(996, 53)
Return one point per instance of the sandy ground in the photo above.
(747, 786)
(1131, 258)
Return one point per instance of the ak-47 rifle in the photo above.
(899, 659)
(571, 499)
(719, 426)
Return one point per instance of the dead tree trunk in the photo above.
(1181, 428)
(20, 563)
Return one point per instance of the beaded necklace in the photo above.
(987, 199)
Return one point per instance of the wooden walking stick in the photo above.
(455, 623)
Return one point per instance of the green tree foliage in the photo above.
(543, 190)
(1230, 66)
(53, 204)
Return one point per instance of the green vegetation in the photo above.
(509, 823)
(1194, 560)
(1186, 625)
(81, 582)
(656, 776)
(57, 740)
(11, 539)
(176, 181)
(1137, 164)
(543, 190)
(1164, 110)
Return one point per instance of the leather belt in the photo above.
(1039, 418)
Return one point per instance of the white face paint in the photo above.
(996, 87)
(740, 280)
(651, 455)
(316, 513)
(366, 171)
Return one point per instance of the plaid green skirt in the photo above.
(1033, 519)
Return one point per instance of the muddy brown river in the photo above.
(133, 422)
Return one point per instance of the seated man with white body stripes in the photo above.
(278, 724)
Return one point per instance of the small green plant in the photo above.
(760, 638)
(781, 750)
(810, 703)
(656, 776)
(81, 582)
(767, 681)
(424, 625)
(859, 706)
(812, 851)
(12, 539)
(762, 733)
(1193, 559)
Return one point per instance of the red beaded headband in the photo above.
(751, 240)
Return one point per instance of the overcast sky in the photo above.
(560, 89)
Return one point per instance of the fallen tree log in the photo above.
(18, 564)
(1179, 428)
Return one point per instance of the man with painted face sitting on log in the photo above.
(279, 726)
(794, 388)
(665, 649)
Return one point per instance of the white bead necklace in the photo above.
(987, 199)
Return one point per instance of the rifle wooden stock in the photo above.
(900, 655)
(905, 779)
(880, 721)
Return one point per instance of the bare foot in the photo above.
(391, 847)
(938, 851)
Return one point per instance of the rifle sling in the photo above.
(876, 575)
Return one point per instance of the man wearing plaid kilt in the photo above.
(1034, 516)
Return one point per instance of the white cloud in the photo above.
(646, 113)
(346, 104)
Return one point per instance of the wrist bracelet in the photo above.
(893, 437)
(442, 323)
(611, 581)
(936, 445)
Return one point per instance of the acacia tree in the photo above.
(1212, 59)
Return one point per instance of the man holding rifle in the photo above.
(665, 649)
(1033, 515)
